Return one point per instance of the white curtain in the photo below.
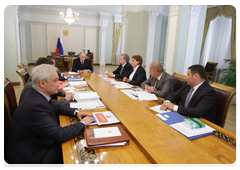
(217, 45)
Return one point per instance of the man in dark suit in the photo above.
(34, 135)
(81, 63)
(67, 95)
(61, 76)
(123, 68)
(197, 96)
(160, 83)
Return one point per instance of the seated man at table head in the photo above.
(160, 83)
(68, 95)
(81, 63)
(62, 76)
(197, 96)
(137, 73)
(123, 68)
(34, 135)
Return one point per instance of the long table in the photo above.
(152, 140)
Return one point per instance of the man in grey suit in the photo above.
(160, 83)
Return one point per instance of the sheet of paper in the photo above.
(122, 85)
(129, 94)
(89, 104)
(157, 109)
(191, 132)
(143, 95)
(106, 132)
(69, 88)
(73, 73)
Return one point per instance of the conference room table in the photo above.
(152, 141)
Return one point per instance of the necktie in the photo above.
(82, 64)
(121, 70)
(188, 97)
(156, 83)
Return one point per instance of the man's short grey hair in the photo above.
(42, 72)
(125, 57)
(156, 66)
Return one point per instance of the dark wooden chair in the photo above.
(178, 80)
(59, 62)
(210, 69)
(90, 57)
(21, 65)
(10, 101)
(71, 53)
(224, 97)
(23, 74)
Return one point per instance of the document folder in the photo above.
(93, 142)
(175, 120)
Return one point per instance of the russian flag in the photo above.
(59, 48)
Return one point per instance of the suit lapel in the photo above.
(197, 92)
(160, 82)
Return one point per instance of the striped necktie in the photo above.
(188, 97)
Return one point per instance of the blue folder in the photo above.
(174, 117)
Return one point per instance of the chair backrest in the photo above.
(71, 53)
(9, 97)
(90, 57)
(53, 53)
(210, 69)
(7, 119)
(21, 65)
(178, 80)
(23, 74)
(224, 95)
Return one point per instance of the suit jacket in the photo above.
(28, 86)
(125, 71)
(202, 103)
(78, 66)
(139, 76)
(34, 129)
(164, 86)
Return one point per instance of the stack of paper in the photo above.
(143, 95)
(75, 79)
(129, 94)
(105, 137)
(86, 96)
(78, 83)
(87, 104)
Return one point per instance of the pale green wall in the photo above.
(109, 32)
(137, 34)
(10, 47)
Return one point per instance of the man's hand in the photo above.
(85, 117)
(110, 74)
(150, 89)
(81, 71)
(67, 75)
(69, 95)
(167, 105)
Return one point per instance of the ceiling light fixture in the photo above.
(69, 16)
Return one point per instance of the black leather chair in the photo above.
(224, 97)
